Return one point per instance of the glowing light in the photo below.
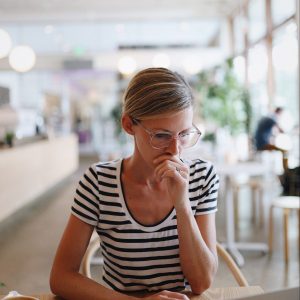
(126, 65)
(79, 51)
(5, 43)
(22, 58)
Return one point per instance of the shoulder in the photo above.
(269, 120)
(100, 170)
(198, 163)
(200, 167)
(106, 167)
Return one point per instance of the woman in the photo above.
(153, 211)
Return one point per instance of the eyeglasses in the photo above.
(162, 139)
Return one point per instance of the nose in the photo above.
(174, 148)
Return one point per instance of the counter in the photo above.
(28, 171)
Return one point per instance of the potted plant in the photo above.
(224, 100)
(9, 138)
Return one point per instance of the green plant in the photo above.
(116, 114)
(209, 137)
(9, 137)
(224, 100)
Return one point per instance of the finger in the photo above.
(173, 160)
(163, 157)
(171, 174)
(170, 165)
(182, 169)
(163, 166)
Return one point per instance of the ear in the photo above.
(127, 124)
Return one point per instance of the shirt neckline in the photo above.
(128, 213)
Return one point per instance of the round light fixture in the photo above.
(126, 65)
(5, 43)
(22, 58)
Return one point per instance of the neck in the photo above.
(138, 170)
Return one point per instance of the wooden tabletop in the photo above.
(210, 294)
(227, 293)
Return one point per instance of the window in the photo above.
(239, 25)
(257, 20)
(285, 62)
(282, 10)
(257, 75)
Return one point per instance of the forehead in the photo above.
(173, 122)
(170, 115)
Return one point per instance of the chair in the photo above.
(256, 185)
(286, 203)
(232, 266)
(89, 257)
(94, 246)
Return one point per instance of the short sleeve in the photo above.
(209, 183)
(86, 200)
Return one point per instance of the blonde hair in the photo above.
(156, 91)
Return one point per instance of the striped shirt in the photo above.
(139, 257)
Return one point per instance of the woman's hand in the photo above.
(175, 174)
(165, 295)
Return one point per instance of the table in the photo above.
(210, 294)
(228, 170)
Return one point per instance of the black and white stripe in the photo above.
(138, 257)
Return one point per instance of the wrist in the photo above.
(183, 207)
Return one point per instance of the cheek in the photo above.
(143, 145)
(146, 150)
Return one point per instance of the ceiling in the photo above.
(113, 10)
(86, 28)
(188, 31)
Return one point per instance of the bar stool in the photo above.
(286, 203)
(256, 185)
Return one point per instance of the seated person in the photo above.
(154, 212)
(265, 132)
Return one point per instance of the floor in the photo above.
(29, 240)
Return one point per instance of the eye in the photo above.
(162, 136)
(186, 134)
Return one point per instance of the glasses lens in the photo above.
(189, 139)
(162, 140)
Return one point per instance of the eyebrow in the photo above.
(168, 131)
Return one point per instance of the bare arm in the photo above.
(197, 246)
(197, 236)
(65, 279)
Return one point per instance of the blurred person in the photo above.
(153, 211)
(266, 131)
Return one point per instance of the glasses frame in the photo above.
(174, 136)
